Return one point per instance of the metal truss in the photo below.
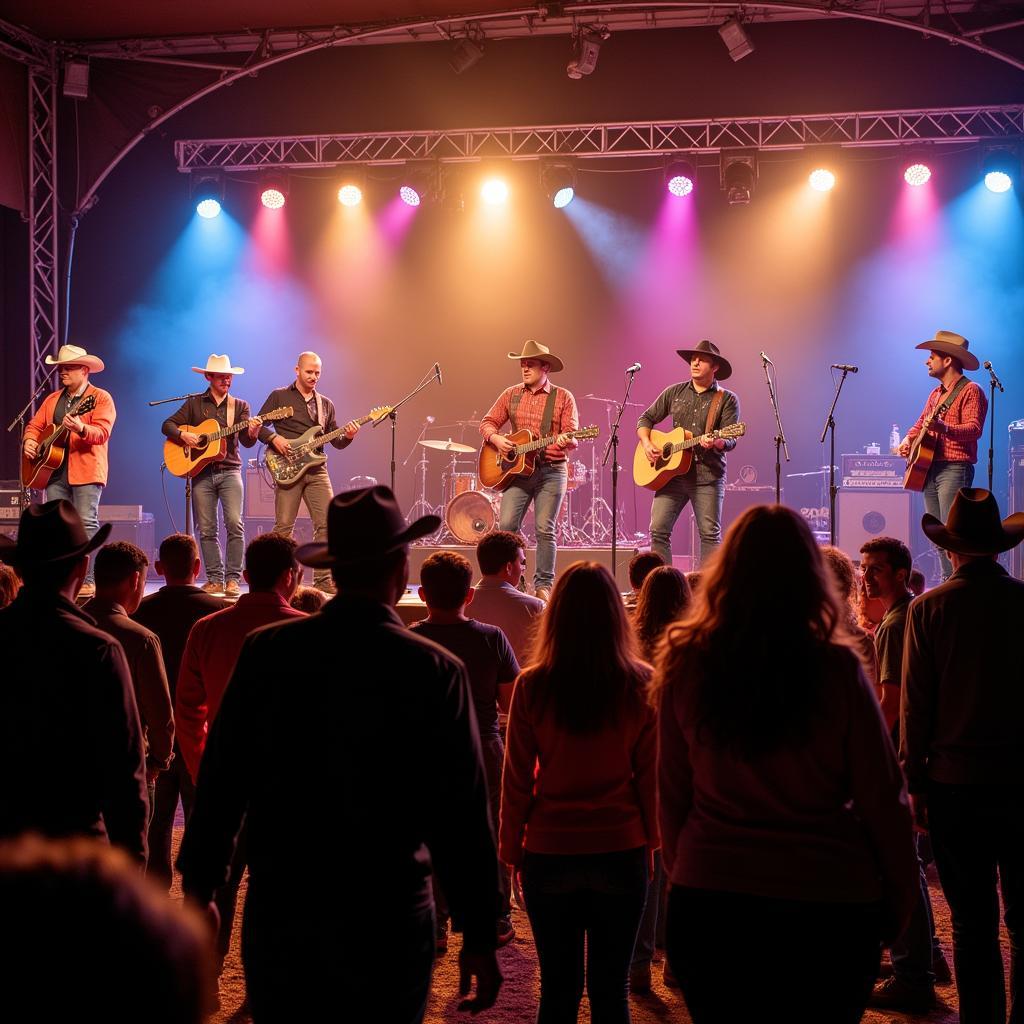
(615, 140)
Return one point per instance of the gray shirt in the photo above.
(515, 613)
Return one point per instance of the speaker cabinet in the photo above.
(259, 497)
(864, 515)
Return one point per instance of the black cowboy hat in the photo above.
(49, 533)
(363, 525)
(707, 348)
(973, 526)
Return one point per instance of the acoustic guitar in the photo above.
(922, 451)
(182, 460)
(499, 471)
(676, 454)
(37, 470)
(307, 451)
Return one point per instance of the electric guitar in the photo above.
(182, 460)
(36, 470)
(498, 471)
(307, 451)
(676, 455)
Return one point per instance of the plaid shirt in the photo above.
(530, 413)
(965, 419)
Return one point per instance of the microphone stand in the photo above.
(188, 479)
(24, 498)
(780, 437)
(393, 416)
(993, 383)
(830, 428)
(612, 448)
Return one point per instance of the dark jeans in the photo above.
(913, 951)
(733, 956)
(977, 831)
(585, 900)
(226, 897)
(170, 785)
(652, 924)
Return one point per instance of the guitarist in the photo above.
(700, 406)
(219, 481)
(544, 409)
(314, 487)
(957, 428)
(82, 474)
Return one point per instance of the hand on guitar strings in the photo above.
(73, 423)
(280, 445)
(189, 439)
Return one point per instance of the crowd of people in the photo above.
(746, 767)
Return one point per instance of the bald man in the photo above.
(309, 408)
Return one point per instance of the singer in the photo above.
(544, 409)
(698, 405)
(955, 411)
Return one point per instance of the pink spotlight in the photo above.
(917, 174)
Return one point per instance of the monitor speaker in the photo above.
(864, 515)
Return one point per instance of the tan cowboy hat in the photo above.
(50, 533)
(218, 364)
(973, 526)
(708, 348)
(75, 355)
(535, 350)
(950, 344)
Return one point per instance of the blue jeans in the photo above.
(943, 481)
(224, 485)
(912, 952)
(647, 935)
(545, 486)
(86, 499)
(707, 509)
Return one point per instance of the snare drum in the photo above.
(460, 483)
(470, 515)
(576, 475)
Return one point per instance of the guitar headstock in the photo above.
(281, 413)
(586, 433)
(86, 405)
(378, 413)
(733, 430)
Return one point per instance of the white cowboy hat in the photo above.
(78, 356)
(218, 364)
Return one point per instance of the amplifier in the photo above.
(871, 471)
(10, 500)
(122, 514)
(864, 515)
(259, 498)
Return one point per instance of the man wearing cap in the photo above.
(698, 405)
(365, 762)
(958, 426)
(544, 409)
(72, 759)
(82, 475)
(962, 744)
(219, 481)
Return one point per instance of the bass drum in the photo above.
(470, 515)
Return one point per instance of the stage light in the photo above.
(680, 178)
(350, 195)
(494, 191)
(273, 191)
(409, 195)
(465, 53)
(738, 177)
(420, 183)
(586, 48)
(917, 173)
(998, 181)
(821, 179)
(207, 193)
(559, 183)
(1000, 167)
(736, 39)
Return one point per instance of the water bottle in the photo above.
(894, 438)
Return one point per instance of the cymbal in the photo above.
(613, 401)
(447, 446)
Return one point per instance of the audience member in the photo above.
(71, 747)
(844, 575)
(446, 587)
(695, 578)
(171, 613)
(917, 582)
(962, 733)
(578, 815)
(10, 584)
(502, 559)
(640, 566)
(308, 599)
(120, 570)
(783, 813)
(346, 724)
(81, 925)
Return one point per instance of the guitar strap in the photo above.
(549, 413)
(716, 404)
(231, 410)
(319, 408)
(513, 406)
(957, 388)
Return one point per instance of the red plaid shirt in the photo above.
(530, 413)
(965, 420)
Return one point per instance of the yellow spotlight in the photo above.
(494, 191)
(350, 195)
(821, 180)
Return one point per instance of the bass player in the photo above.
(535, 404)
(314, 487)
(698, 405)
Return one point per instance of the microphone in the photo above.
(764, 356)
(634, 368)
(437, 372)
(845, 366)
(992, 374)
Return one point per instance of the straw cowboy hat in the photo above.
(77, 356)
(707, 348)
(973, 526)
(949, 344)
(364, 525)
(535, 350)
(48, 533)
(218, 364)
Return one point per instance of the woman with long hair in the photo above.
(844, 577)
(578, 814)
(783, 812)
(664, 596)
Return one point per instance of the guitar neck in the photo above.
(541, 442)
(692, 442)
(228, 431)
(321, 439)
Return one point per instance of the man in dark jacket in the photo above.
(348, 745)
(71, 747)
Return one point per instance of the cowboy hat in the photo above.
(535, 350)
(949, 344)
(218, 364)
(973, 526)
(77, 356)
(48, 533)
(707, 348)
(364, 525)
